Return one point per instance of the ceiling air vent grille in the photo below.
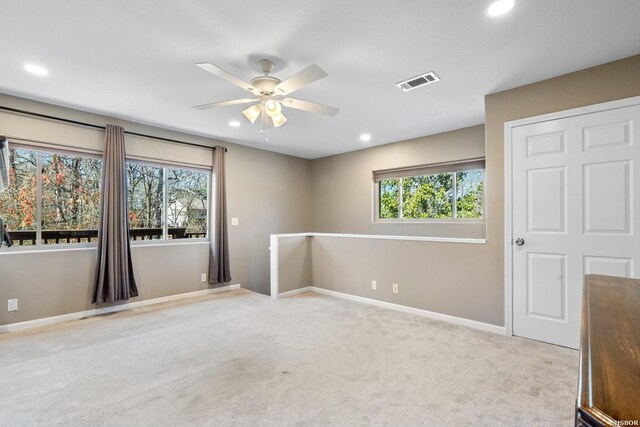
(418, 81)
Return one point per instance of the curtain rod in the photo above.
(78, 123)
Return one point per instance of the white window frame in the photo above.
(454, 219)
(165, 202)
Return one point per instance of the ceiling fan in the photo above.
(268, 91)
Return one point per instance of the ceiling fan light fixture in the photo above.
(273, 108)
(252, 113)
(278, 120)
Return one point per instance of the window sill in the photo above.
(83, 246)
(430, 221)
(153, 243)
(33, 249)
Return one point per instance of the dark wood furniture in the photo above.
(609, 384)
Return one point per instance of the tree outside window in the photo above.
(69, 203)
(450, 195)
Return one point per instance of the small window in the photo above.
(434, 192)
(59, 205)
(166, 201)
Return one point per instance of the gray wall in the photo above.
(295, 263)
(438, 277)
(456, 279)
(342, 185)
(268, 192)
(271, 193)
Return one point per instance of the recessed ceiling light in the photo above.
(234, 124)
(36, 69)
(500, 7)
(365, 137)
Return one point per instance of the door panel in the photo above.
(547, 286)
(573, 182)
(609, 266)
(545, 144)
(546, 200)
(606, 135)
(607, 197)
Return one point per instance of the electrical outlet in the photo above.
(235, 221)
(12, 305)
(395, 288)
(374, 284)
(203, 277)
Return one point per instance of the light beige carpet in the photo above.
(240, 358)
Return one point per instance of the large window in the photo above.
(61, 204)
(166, 203)
(434, 192)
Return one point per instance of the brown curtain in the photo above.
(219, 253)
(115, 280)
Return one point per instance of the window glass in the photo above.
(470, 194)
(18, 201)
(388, 196)
(69, 186)
(70, 198)
(187, 203)
(449, 191)
(146, 201)
(427, 196)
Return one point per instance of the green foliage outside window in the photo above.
(389, 198)
(433, 196)
(470, 194)
(427, 196)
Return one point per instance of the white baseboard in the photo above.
(403, 308)
(111, 309)
(295, 292)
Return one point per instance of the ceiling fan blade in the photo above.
(310, 106)
(217, 71)
(305, 77)
(224, 103)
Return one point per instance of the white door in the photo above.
(575, 211)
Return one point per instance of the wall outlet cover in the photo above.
(203, 277)
(395, 288)
(374, 284)
(235, 221)
(12, 305)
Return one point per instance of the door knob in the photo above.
(519, 241)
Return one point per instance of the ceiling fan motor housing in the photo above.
(265, 84)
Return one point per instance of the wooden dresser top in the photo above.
(609, 386)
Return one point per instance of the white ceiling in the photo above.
(134, 60)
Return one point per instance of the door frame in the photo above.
(508, 186)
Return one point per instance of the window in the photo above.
(187, 202)
(444, 191)
(166, 201)
(61, 204)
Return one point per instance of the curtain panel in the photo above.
(219, 270)
(115, 279)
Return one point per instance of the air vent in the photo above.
(418, 81)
